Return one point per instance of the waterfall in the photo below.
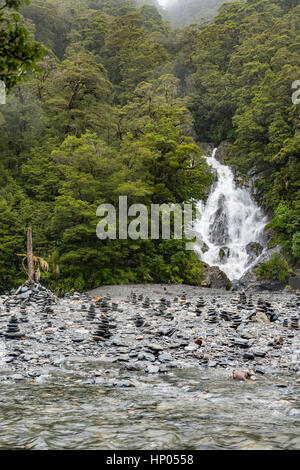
(230, 226)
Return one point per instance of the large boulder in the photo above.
(215, 278)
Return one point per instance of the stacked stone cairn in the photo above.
(24, 316)
(102, 330)
(199, 306)
(236, 320)
(212, 316)
(133, 298)
(243, 298)
(294, 322)
(224, 315)
(146, 303)
(138, 320)
(13, 331)
(285, 323)
(91, 313)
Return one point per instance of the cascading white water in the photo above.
(229, 224)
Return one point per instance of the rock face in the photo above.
(254, 250)
(266, 285)
(248, 280)
(222, 151)
(215, 278)
(219, 228)
(206, 147)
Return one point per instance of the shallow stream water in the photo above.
(183, 410)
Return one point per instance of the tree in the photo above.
(18, 54)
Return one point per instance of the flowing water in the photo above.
(229, 224)
(186, 410)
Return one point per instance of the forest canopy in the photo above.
(111, 100)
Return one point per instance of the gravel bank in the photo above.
(149, 329)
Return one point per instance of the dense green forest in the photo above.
(114, 105)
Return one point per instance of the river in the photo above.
(185, 409)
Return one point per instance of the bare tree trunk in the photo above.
(31, 276)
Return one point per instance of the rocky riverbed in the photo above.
(113, 369)
(145, 330)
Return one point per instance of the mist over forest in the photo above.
(184, 12)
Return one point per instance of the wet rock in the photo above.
(134, 366)
(152, 369)
(123, 384)
(259, 352)
(253, 250)
(241, 375)
(248, 356)
(163, 357)
(242, 343)
(266, 285)
(155, 347)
